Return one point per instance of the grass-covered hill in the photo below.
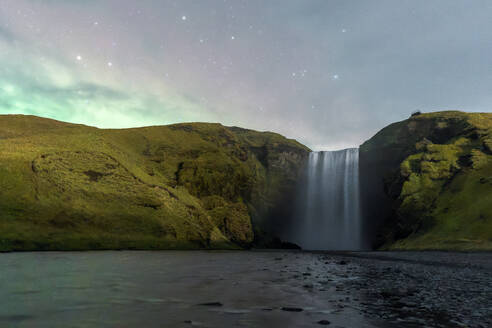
(436, 173)
(194, 185)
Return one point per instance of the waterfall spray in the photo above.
(328, 215)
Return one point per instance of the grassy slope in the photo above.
(66, 186)
(442, 190)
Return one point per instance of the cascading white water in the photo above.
(328, 215)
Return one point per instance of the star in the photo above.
(183, 17)
(344, 30)
(79, 57)
(233, 37)
(335, 77)
(110, 64)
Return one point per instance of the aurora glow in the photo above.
(328, 73)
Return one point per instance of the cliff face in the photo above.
(196, 185)
(427, 182)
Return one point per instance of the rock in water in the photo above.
(211, 304)
(292, 309)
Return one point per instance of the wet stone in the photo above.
(324, 322)
(211, 304)
(292, 309)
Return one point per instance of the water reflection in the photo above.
(165, 289)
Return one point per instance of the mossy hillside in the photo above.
(439, 191)
(62, 198)
(68, 186)
(276, 171)
(460, 217)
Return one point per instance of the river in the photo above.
(245, 289)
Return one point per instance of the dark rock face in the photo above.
(410, 172)
(271, 199)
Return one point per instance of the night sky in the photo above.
(327, 73)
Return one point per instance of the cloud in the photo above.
(276, 74)
(6, 35)
(53, 84)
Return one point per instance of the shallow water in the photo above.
(243, 289)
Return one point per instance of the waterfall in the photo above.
(328, 213)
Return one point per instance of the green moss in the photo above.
(232, 219)
(67, 186)
(444, 200)
(462, 216)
